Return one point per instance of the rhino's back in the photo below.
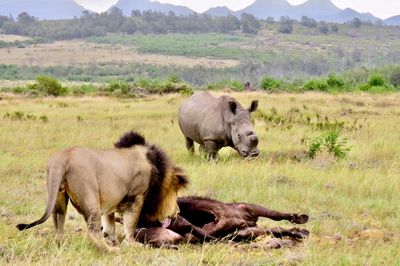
(199, 116)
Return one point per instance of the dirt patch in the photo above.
(78, 53)
(372, 234)
(281, 156)
(5, 214)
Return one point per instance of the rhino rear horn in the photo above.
(253, 107)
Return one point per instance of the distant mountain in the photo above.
(42, 9)
(316, 9)
(219, 11)
(268, 8)
(394, 21)
(128, 5)
(349, 14)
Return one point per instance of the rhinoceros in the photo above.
(218, 122)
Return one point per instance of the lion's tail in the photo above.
(55, 175)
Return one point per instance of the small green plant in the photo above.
(18, 115)
(314, 147)
(43, 118)
(330, 143)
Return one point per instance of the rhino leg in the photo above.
(189, 145)
(202, 149)
(211, 148)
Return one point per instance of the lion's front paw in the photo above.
(129, 242)
(111, 241)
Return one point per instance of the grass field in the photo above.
(80, 53)
(353, 203)
(201, 57)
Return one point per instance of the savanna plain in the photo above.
(353, 203)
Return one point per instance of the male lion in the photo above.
(132, 176)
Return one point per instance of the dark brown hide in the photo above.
(204, 219)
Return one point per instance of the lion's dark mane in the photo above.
(160, 163)
(129, 140)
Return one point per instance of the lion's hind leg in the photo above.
(90, 209)
(59, 213)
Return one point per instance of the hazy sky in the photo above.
(380, 8)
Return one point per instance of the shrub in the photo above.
(323, 28)
(356, 23)
(118, 87)
(308, 22)
(329, 143)
(334, 81)
(376, 80)
(19, 90)
(285, 28)
(334, 28)
(174, 78)
(236, 85)
(269, 83)
(48, 86)
(316, 84)
(84, 89)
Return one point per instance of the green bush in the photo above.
(334, 81)
(174, 78)
(376, 80)
(84, 89)
(118, 87)
(236, 85)
(144, 83)
(19, 90)
(316, 85)
(48, 86)
(269, 83)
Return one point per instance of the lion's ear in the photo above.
(183, 180)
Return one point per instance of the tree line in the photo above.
(146, 22)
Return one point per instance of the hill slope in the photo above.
(268, 8)
(42, 9)
(394, 21)
(316, 9)
(219, 11)
(128, 5)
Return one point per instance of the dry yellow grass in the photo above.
(79, 53)
(354, 203)
(12, 38)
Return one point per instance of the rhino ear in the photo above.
(253, 107)
(232, 107)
